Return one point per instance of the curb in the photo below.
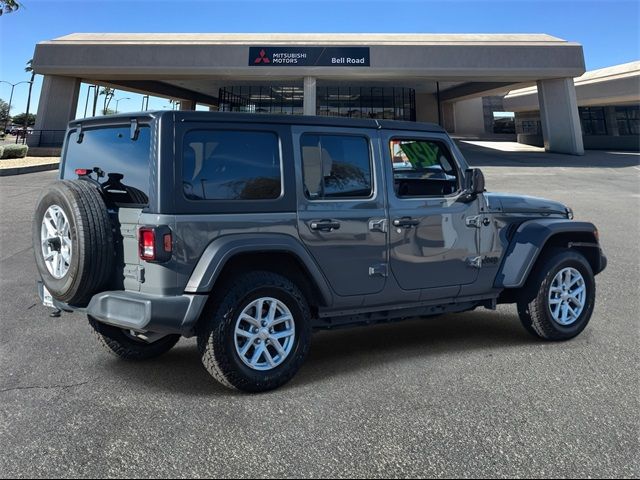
(5, 172)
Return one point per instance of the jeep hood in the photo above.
(513, 203)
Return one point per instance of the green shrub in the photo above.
(14, 151)
(1, 151)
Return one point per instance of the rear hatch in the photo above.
(117, 153)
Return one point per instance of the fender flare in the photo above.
(222, 249)
(527, 243)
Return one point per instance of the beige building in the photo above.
(398, 76)
(608, 105)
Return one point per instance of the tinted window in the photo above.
(231, 165)
(336, 166)
(422, 168)
(123, 161)
(592, 120)
(628, 119)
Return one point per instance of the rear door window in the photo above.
(336, 166)
(122, 162)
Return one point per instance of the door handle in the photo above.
(406, 222)
(325, 225)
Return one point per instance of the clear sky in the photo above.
(608, 29)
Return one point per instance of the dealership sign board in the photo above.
(309, 56)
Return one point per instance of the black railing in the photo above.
(41, 138)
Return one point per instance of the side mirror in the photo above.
(477, 185)
(474, 179)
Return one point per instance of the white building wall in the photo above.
(469, 117)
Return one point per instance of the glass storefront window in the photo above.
(286, 100)
(367, 102)
(529, 127)
(628, 119)
(332, 101)
(592, 120)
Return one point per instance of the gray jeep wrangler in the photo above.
(251, 231)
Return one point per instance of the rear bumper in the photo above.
(142, 312)
(148, 313)
(603, 262)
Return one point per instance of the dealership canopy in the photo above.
(404, 76)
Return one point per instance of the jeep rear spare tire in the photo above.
(73, 241)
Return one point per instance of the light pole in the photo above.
(86, 103)
(124, 98)
(13, 85)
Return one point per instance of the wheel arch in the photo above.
(278, 253)
(534, 237)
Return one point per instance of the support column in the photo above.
(309, 102)
(57, 106)
(426, 108)
(449, 117)
(559, 116)
(187, 105)
(469, 116)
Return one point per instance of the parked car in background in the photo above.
(22, 132)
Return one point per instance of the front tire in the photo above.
(255, 333)
(558, 299)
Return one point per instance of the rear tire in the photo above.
(541, 304)
(123, 345)
(228, 344)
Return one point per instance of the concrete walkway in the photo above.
(17, 166)
(512, 154)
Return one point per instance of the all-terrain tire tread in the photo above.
(217, 311)
(116, 344)
(93, 233)
(532, 306)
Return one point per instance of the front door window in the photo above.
(431, 245)
(422, 168)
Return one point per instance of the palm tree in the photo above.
(108, 93)
(8, 6)
(29, 69)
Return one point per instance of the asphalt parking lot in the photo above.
(463, 395)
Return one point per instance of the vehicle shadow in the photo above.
(340, 352)
(480, 156)
(344, 352)
(179, 371)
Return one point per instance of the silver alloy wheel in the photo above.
(265, 333)
(55, 240)
(567, 296)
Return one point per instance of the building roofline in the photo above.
(371, 39)
(614, 72)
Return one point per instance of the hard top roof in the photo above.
(232, 117)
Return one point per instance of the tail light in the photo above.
(155, 244)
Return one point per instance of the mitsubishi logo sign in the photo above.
(262, 57)
(304, 56)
